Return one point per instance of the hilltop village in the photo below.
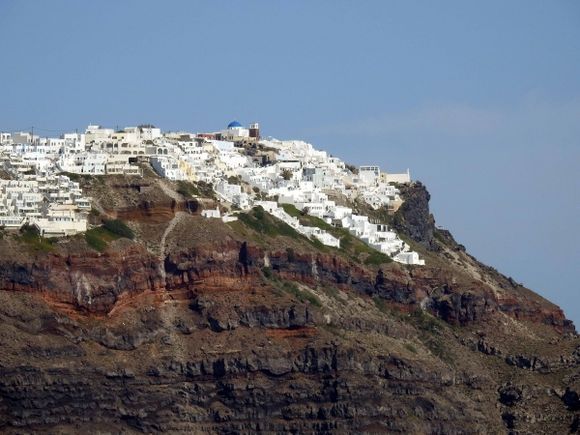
(243, 169)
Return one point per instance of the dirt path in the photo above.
(169, 191)
(176, 219)
(163, 243)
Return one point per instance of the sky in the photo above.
(481, 100)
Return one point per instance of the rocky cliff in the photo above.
(202, 327)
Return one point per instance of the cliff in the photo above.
(205, 327)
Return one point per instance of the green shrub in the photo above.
(291, 210)
(98, 238)
(187, 189)
(29, 234)
(234, 179)
(301, 295)
(206, 189)
(348, 242)
(200, 188)
(117, 226)
(267, 272)
(263, 223)
(286, 174)
(377, 258)
(280, 286)
(425, 321)
(75, 177)
(94, 241)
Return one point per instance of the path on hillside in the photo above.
(162, 244)
(169, 191)
(169, 313)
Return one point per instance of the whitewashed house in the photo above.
(411, 258)
(211, 213)
(61, 220)
(168, 167)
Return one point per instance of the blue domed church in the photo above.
(235, 131)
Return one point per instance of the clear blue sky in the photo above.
(480, 99)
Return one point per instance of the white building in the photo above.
(46, 200)
(312, 232)
(61, 220)
(222, 145)
(168, 167)
(83, 163)
(369, 174)
(409, 258)
(402, 178)
(209, 213)
(120, 164)
(74, 143)
(235, 131)
(233, 193)
(94, 133)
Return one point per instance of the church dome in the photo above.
(234, 124)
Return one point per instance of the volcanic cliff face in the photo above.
(205, 327)
(413, 217)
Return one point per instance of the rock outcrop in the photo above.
(413, 218)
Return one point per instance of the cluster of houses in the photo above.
(244, 169)
(319, 234)
(52, 203)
